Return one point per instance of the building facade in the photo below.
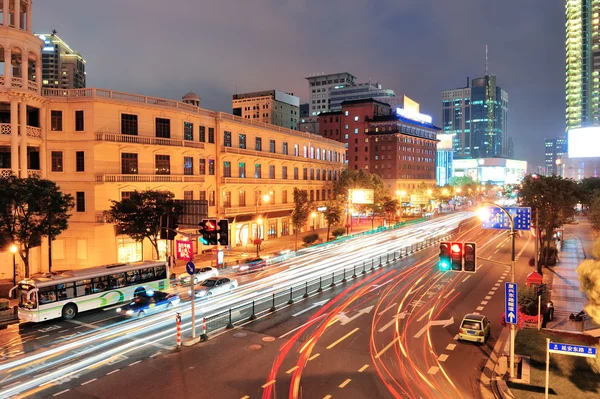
(100, 145)
(358, 91)
(498, 171)
(555, 149)
(320, 87)
(444, 158)
(62, 67)
(271, 106)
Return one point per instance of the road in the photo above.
(340, 342)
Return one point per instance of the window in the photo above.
(162, 164)
(258, 144)
(356, 131)
(80, 201)
(305, 174)
(257, 172)
(271, 171)
(212, 198)
(284, 197)
(188, 195)
(285, 148)
(202, 163)
(56, 121)
(202, 134)
(202, 195)
(129, 124)
(163, 128)
(227, 199)
(188, 131)
(284, 172)
(242, 170)
(79, 121)
(356, 119)
(242, 139)
(295, 173)
(211, 167)
(188, 165)
(226, 169)
(57, 161)
(129, 164)
(242, 198)
(79, 161)
(296, 150)
(272, 146)
(211, 135)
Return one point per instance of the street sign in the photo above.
(574, 350)
(511, 306)
(190, 268)
(498, 219)
(541, 289)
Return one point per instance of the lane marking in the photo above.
(448, 294)
(327, 397)
(156, 354)
(316, 355)
(489, 296)
(343, 384)
(268, 384)
(388, 346)
(292, 370)
(43, 336)
(456, 337)
(134, 363)
(363, 368)
(466, 278)
(61, 392)
(299, 327)
(343, 338)
(494, 289)
(386, 309)
(479, 308)
(10, 385)
(87, 382)
(114, 371)
(442, 357)
(245, 397)
(385, 327)
(484, 302)
(425, 314)
(433, 370)
(62, 331)
(451, 347)
(497, 284)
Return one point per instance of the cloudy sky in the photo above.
(165, 48)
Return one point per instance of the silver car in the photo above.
(202, 273)
(215, 286)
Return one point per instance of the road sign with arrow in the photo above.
(511, 305)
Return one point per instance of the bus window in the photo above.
(84, 287)
(47, 295)
(133, 277)
(147, 274)
(65, 291)
(99, 284)
(23, 301)
(161, 271)
(117, 280)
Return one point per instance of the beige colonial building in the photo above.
(101, 145)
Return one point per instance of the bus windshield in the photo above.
(24, 302)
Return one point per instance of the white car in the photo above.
(201, 274)
(215, 286)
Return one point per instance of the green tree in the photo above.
(300, 212)
(30, 209)
(554, 198)
(589, 277)
(139, 215)
(587, 190)
(359, 179)
(461, 181)
(594, 213)
(333, 214)
(390, 207)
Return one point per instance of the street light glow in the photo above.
(484, 214)
(13, 249)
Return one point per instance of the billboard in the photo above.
(184, 250)
(584, 142)
(362, 196)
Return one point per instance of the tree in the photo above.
(333, 214)
(30, 209)
(594, 213)
(301, 211)
(139, 215)
(554, 198)
(589, 277)
(359, 179)
(461, 181)
(390, 207)
(587, 190)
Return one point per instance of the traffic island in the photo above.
(570, 376)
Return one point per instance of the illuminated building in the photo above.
(271, 106)
(320, 86)
(583, 156)
(62, 67)
(444, 158)
(555, 149)
(498, 171)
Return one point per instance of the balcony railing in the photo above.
(34, 173)
(252, 209)
(32, 131)
(16, 82)
(5, 128)
(5, 173)
(237, 180)
(125, 138)
(149, 179)
(266, 154)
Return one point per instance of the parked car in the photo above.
(474, 327)
(201, 274)
(252, 265)
(149, 302)
(215, 286)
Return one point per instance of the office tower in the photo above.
(62, 67)
(271, 106)
(555, 149)
(320, 86)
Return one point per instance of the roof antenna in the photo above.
(486, 60)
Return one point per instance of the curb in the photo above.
(494, 386)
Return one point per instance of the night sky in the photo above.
(416, 47)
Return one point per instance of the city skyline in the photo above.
(424, 49)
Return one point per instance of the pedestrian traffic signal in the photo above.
(223, 232)
(456, 250)
(470, 257)
(444, 263)
(208, 230)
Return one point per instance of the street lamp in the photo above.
(13, 249)
(265, 198)
(484, 214)
(314, 216)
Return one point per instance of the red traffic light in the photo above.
(211, 225)
(456, 248)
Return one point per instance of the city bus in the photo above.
(66, 293)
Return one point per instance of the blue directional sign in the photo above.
(573, 350)
(511, 306)
(190, 268)
(498, 219)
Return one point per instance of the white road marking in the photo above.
(363, 368)
(62, 331)
(448, 294)
(156, 354)
(484, 302)
(442, 357)
(382, 329)
(386, 309)
(114, 371)
(87, 382)
(299, 327)
(455, 337)
(292, 370)
(10, 385)
(43, 336)
(466, 278)
(433, 370)
(134, 363)
(268, 384)
(494, 289)
(479, 307)
(343, 384)
(475, 313)
(61, 392)
(316, 355)
(451, 347)
(343, 338)
(388, 346)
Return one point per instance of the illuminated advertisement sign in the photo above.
(584, 142)
(415, 116)
(184, 250)
(361, 196)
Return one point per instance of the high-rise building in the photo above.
(62, 67)
(358, 91)
(555, 149)
(478, 117)
(271, 106)
(320, 86)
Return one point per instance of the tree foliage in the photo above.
(594, 213)
(588, 189)
(333, 214)
(589, 277)
(300, 212)
(462, 181)
(139, 215)
(30, 209)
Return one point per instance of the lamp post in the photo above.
(265, 198)
(512, 278)
(314, 216)
(13, 249)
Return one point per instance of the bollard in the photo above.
(372, 267)
(394, 255)
(203, 336)
(353, 271)
(332, 280)
(253, 315)
(320, 286)
(178, 322)
(273, 308)
(364, 271)
(387, 256)
(344, 279)
(291, 297)
(230, 324)
(305, 290)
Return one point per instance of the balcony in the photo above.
(31, 131)
(283, 157)
(148, 179)
(145, 140)
(252, 209)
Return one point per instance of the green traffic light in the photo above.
(203, 241)
(444, 265)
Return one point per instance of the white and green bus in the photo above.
(65, 293)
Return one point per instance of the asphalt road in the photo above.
(365, 338)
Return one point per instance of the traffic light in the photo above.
(470, 256)
(456, 250)
(211, 230)
(444, 263)
(223, 232)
